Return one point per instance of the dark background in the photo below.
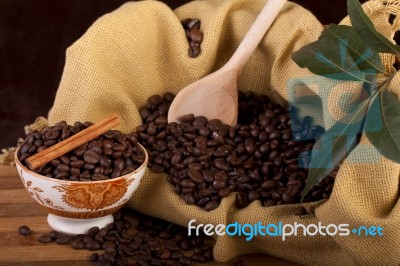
(34, 35)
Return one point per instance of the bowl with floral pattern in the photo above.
(76, 206)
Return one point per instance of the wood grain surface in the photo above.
(18, 208)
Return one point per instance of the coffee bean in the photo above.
(77, 163)
(63, 168)
(198, 258)
(24, 230)
(93, 257)
(194, 24)
(54, 234)
(77, 244)
(64, 239)
(176, 255)
(194, 51)
(93, 231)
(211, 205)
(99, 177)
(268, 184)
(300, 211)
(184, 260)
(224, 192)
(196, 35)
(188, 183)
(45, 239)
(219, 184)
(253, 195)
(109, 257)
(189, 199)
(93, 245)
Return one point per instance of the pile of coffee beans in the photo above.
(207, 160)
(111, 155)
(148, 242)
(193, 34)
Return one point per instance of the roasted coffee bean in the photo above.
(77, 163)
(193, 24)
(24, 230)
(198, 258)
(45, 239)
(54, 234)
(176, 255)
(99, 177)
(93, 245)
(109, 257)
(64, 239)
(184, 260)
(211, 205)
(91, 157)
(63, 168)
(77, 244)
(93, 231)
(241, 200)
(189, 199)
(195, 175)
(196, 35)
(224, 192)
(188, 183)
(300, 211)
(312, 209)
(253, 195)
(94, 257)
(268, 184)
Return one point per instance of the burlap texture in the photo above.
(141, 49)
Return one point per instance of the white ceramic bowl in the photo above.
(74, 206)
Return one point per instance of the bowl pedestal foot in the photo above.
(74, 226)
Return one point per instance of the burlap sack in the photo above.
(141, 49)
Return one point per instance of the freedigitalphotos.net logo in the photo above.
(249, 231)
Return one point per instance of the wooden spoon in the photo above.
(215, 96)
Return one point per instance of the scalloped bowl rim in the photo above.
(140, 168)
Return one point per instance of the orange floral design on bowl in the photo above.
(94, 196)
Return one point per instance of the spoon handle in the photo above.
(255, 34)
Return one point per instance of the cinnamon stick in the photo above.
(41, 158)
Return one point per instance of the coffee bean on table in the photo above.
(64, 239)
(24, 230)
(93, 257)
(54, 234)
(77, 244)
(45, 239)
(149, 241)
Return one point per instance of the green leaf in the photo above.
(366, 30)
(333, 146)
(386, 113)
(339, 54)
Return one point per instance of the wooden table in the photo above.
(18, 208)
